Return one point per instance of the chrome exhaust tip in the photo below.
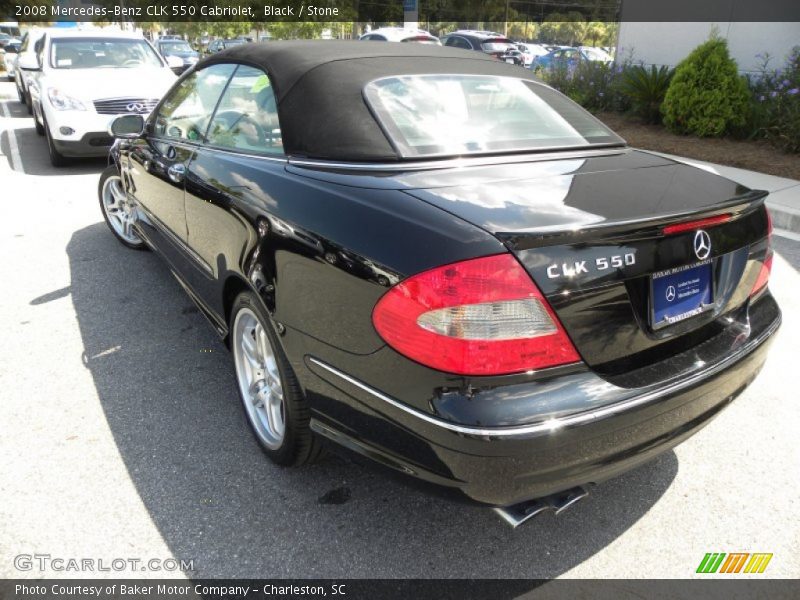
(518, 514)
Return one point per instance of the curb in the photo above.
(784, 216)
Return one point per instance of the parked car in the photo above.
(27, 54)
(488, 42)
(6, 39)
(529, 52)
(400, 34)
(569, 57)
(595, 54)
(82, 79)
(179, 49)
(451, 269)
(560, 57)
(220, 45)
(11, 29)
(9, 55)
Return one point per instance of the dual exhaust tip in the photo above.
(518, 514)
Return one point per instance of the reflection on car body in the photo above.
(386, 288)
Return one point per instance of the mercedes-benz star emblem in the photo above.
(702, 244)
(670, 293)
(135, 107)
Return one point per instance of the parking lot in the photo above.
(121, 435)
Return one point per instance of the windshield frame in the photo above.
(104, 39)
(406, 151)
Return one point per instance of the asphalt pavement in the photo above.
(121, 436)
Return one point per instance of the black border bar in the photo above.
(466, 13)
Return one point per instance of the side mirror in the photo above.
(28, 62)
(127, 127)
(173, 62)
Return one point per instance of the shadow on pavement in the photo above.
(16, 110)
(167, 388)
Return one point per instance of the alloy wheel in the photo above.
(119, 210)
(259, 379)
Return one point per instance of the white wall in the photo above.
(669, 43)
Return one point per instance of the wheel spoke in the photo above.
(126, 226)
(117, 192)
(249, 349)
(259, 378)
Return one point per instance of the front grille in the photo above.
(121, 106)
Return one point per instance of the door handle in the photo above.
(177, 172)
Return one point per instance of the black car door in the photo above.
(232, 178)
(158, 161)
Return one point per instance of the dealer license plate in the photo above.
(680, 293)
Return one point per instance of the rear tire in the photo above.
(273, 401)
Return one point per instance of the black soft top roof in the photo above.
(319, 85)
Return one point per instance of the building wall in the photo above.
(669, 43)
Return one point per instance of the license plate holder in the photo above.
(681, 293)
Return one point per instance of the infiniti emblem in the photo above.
(135, 107)
(702, 244)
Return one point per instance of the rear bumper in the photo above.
(501, 466)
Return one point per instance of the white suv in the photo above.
(83, 79)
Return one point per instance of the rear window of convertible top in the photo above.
(449, 115)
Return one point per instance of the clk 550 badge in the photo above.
(601, 263)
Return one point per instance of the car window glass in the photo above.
(102, 53)
(247, 116)
(428, 115)
(186, 111)
(458, 42)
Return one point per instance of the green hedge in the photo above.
(707, 96)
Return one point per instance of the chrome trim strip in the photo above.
(454, 163)
(557, 423)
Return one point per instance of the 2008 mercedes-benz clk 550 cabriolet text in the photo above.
(433, 260)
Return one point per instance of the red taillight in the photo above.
(763, 275)
(698, 224)
(483, 316)
(766, 266)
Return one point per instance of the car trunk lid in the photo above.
(596, 237)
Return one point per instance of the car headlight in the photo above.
(61, 101)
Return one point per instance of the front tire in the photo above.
(117, 209)
(39, 126)
(20, 95)
(56, 158)
(273, 401)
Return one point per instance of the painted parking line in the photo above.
(13, 147)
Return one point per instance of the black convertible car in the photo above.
(432, 259)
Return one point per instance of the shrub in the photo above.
(776, 104)
(592, 84)
(646, 89)
(707, 96)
